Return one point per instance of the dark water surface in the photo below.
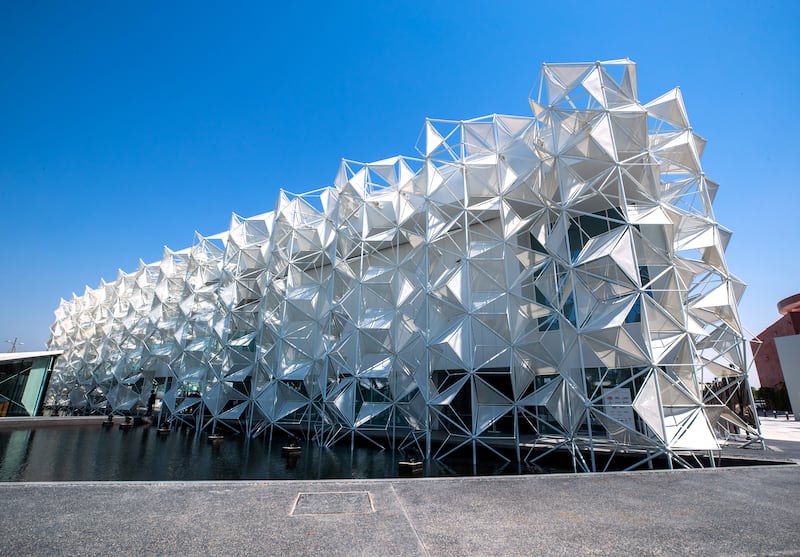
(92, 453)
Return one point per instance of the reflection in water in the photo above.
(95, 453)
(14, 447)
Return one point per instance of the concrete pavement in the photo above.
(723, 511)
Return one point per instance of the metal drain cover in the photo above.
(333, 502)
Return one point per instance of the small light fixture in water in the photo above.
(292, 449)
(411, 467)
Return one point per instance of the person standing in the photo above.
(151, 402)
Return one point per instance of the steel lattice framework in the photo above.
(555, 281)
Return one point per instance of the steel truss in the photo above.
(526, 285)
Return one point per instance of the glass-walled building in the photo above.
(23, 380)
(526, 283)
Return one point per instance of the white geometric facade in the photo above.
(526, 284)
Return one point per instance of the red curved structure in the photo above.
(789, 305)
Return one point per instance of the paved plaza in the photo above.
(724, 511)
(782, 437)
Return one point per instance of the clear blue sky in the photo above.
(126, 126)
